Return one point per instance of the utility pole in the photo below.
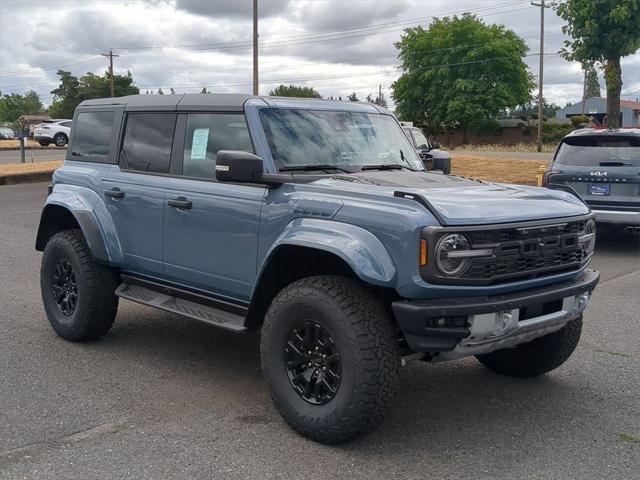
(255, 47)
(541, 74)
(584, 91)
(380, 94)
(110, 56)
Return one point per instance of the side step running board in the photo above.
(180, 306)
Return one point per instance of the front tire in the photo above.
(43, 143)
(330, 358)
(77, 293)
(536, 357)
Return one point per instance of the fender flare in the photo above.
(360, 249)
(83, 205)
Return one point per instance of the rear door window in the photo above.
(147, 142)
(206, 133)
(92, 136)
(601, 151)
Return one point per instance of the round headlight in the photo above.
(589, 236)
(449, 254)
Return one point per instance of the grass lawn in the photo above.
(36, 167)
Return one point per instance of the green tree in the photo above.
(593, 85)
(294, 91)
(204, 90)
(603, 32)
(12, 106)
(352, 97)
(73, 90)
(460, 72)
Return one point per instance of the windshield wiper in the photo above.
(614, 164)
(311, 168)
(386, 166)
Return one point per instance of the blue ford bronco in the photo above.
(314, 222)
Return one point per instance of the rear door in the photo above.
(135, 193)
(211, 228)
(603, 169)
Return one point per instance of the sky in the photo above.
(335, 46)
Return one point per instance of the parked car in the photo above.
(603, 168)
(7, 133)
(315, 223)
(56, 131)
(430, 153)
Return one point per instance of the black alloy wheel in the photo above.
(65, 287)
(312, 362)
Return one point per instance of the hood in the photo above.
(460, 201)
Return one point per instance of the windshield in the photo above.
(349, 140)
(421, 141)
(600, 151)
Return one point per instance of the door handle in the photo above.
(114, 193)
(180, 202)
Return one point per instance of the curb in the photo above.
(30, 177)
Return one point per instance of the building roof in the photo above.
(630, 104)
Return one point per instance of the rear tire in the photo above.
(60, 139)
(77, 293)
(536, 357)
(336, 317)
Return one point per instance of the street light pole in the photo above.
(255, 47)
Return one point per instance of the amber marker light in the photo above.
(423, 253)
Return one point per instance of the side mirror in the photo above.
(435, 145)
(425, 154)
(238, 166)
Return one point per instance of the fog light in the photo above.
(503, 320)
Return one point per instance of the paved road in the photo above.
(164, 397)
(514, 155)
(40, 155)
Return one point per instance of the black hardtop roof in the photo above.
(222, 102)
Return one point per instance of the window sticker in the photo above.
(199, 144)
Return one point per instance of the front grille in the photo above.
(518, 251)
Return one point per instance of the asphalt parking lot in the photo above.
(165, 397)
(33, 155)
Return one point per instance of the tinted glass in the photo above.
(600, 151)
(92, 136)
(206, 134)
(147, 141)
(337, 138)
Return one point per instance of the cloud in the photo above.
(234, 9)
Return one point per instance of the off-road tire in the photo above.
(60, 140)
(536, 357)
(366, 341)
(96, 304)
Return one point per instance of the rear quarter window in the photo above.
(92, 136)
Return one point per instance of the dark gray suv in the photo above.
(603, 167)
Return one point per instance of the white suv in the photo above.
(55, 131)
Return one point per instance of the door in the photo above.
(211, 228)
(135, 193)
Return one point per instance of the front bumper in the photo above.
(457, 327)
(622, 217)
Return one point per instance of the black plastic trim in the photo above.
(422, 201)
(185, 294)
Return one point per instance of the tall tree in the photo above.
(73, 90)
(593, 85)
(294, 91)
(602, 32)
(14, 105)
(460, 72)
(352, 97)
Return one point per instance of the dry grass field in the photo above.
(497, 169)
(480, 168)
